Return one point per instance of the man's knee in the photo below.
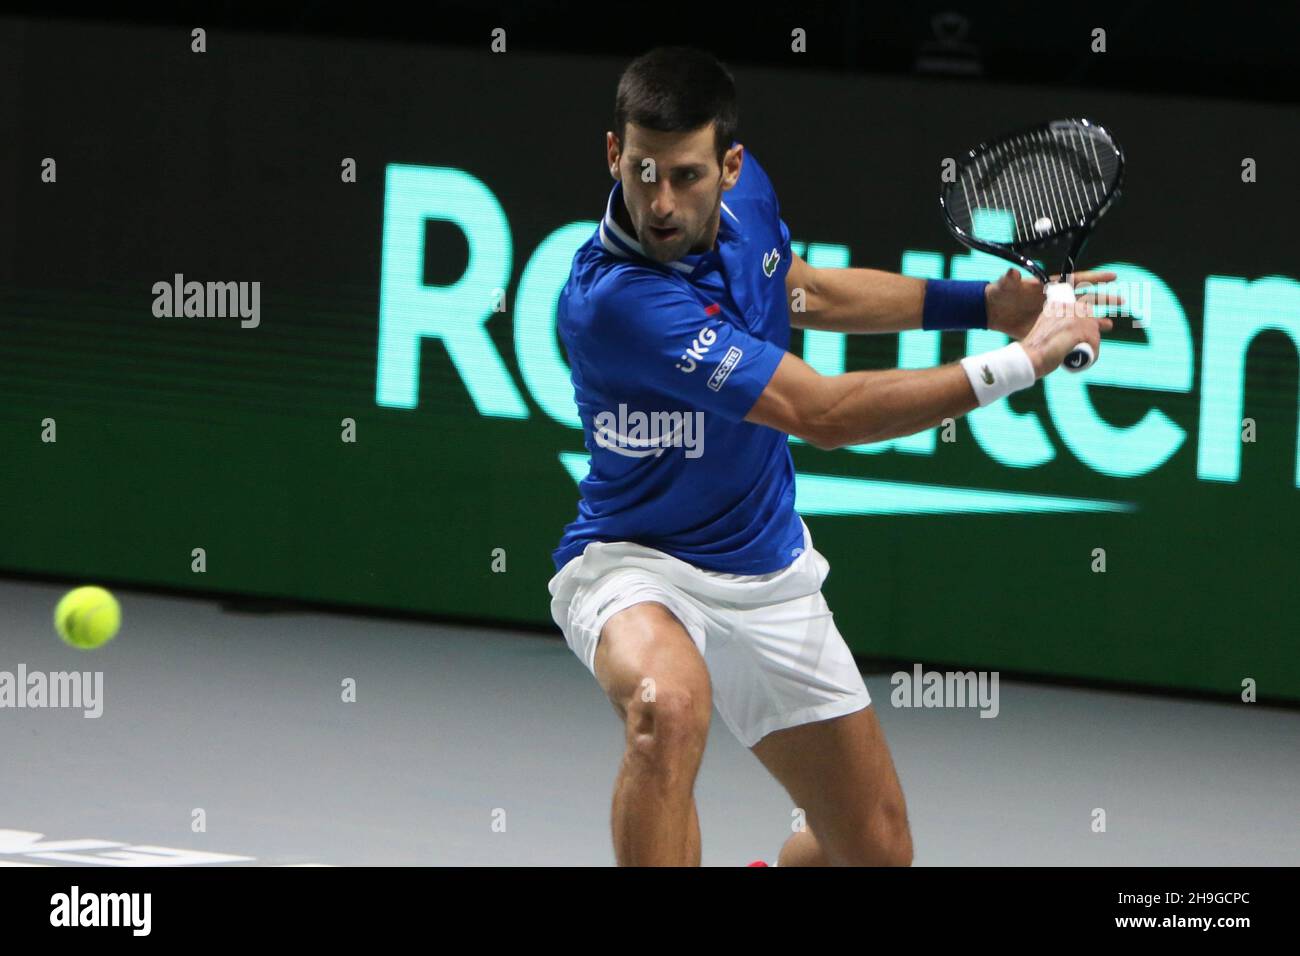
(889, 836)
(885, 840)
(656, 679)
(664, 722)
(897, 845)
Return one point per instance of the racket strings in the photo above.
(1036, 181)
(1048, 180)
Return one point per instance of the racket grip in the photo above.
(1082, 355)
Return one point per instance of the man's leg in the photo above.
(840, 773)
(657, 680)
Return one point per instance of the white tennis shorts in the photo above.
(774, 655)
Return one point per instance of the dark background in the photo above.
(1242, 50)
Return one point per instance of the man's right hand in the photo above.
(1060, 327)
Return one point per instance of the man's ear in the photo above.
(732, 161)
(613, 150)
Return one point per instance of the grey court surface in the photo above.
(457, 730)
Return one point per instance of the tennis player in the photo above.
(688, 580)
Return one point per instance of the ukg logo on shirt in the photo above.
(642, 434)
(695, 354)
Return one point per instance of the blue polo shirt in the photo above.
(666, 360)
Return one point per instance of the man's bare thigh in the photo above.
(644, 648)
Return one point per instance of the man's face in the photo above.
(672, 187)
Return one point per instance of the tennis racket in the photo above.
(1039, 194)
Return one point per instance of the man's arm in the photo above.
(870, 300)
(853, 300)
(831, 411)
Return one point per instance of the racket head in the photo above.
(1039, 191)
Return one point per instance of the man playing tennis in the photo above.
(688, 580)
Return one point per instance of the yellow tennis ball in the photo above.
(87, 617)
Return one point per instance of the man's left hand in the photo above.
(1014, 302)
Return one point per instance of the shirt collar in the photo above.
(616, 239)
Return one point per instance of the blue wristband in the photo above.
(954, 304)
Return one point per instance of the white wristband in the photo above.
(997, 374)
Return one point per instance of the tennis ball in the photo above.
(87, 618)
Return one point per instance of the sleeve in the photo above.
(654, 332)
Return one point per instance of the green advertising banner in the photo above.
(279, 320)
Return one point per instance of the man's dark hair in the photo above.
(674, 89)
